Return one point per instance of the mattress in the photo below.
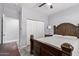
(58, 41)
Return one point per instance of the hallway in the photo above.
(9, 49)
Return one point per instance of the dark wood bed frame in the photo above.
(45, 49)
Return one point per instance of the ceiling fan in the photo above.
(51, 6)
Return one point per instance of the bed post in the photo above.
(31, 44)
(67, 48)
(54, 29)
(77, 31)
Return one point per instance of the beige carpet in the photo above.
(25, 51)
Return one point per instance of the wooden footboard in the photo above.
(44, 49)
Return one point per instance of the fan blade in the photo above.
(42, 4)
(51, 6)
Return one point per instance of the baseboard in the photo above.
(20, 47)
(23, 46)
(10, 41)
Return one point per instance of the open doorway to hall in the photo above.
(10, 29)
(10, 37)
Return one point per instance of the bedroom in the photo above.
(38, 21)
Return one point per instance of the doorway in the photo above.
(10, 30)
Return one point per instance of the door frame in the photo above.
(2, 30)
(2, 34)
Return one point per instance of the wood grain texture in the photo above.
(66, 29)
(45, 49)
(9, 49)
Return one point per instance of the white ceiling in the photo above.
(46, 10)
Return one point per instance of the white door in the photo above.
(35, 28)
(10, 29)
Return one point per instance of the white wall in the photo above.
(70, 15)
(32, 15)
(35, 15)
(11, 10)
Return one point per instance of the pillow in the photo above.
(57, 35)
(71, 37)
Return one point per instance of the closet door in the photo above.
(35, 28)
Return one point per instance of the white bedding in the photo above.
(57, 41)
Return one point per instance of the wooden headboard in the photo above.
(66, 29)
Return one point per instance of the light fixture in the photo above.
(49, 3)
(49, 27)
